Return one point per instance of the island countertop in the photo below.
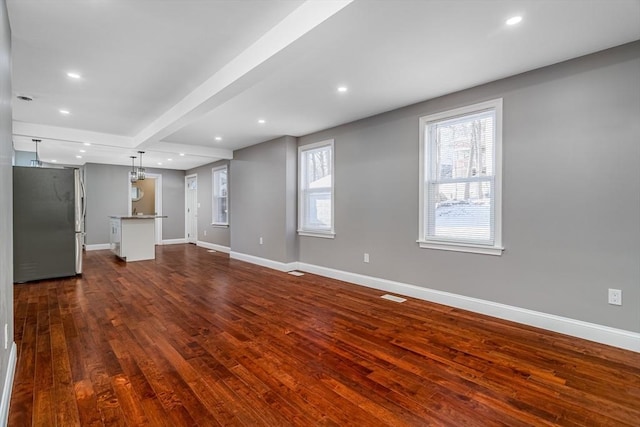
(137, 216)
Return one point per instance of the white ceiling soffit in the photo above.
(169, 76)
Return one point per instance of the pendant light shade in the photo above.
(141, 171)
(133, 174)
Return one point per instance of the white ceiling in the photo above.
(168, 76)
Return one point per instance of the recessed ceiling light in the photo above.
(169, 160)
(218, 138)
(83, 151)
(342, 89)
(160, 163)
(54, 161)
(78, 157)
(514, 20)
(65, 112)
(182, 154)
(87, 144)
(262, 121)
(73, 75)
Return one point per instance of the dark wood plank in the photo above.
(195, 338)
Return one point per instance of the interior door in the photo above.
(191, 214)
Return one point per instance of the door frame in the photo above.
(186, 209)
(158, 207)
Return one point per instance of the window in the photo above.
(460, 179)
(220, 198)
(315, 189)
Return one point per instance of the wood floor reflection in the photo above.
(194, 338)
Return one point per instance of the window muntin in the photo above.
(460, 179)
(315, 186)
(220, 198)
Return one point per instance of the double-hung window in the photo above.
(315, 189)
(220, 196)
(461, 179)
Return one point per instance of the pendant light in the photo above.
(133, 175)
(36, 163)
(141, 171)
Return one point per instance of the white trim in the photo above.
(324, 235)
(225, 168)
(213, 246)
(590, 331)
(186, 209)
(97, 247)
(8, 385)
(311, 231)
(462, 247)
(174, 241)
(276, 265)
(454, 245)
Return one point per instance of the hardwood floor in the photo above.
(194, 338)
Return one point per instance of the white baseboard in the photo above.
(8, 385)
(590, 331)
(213, 246)
(276, 265)
(174, 241)
(97, 247)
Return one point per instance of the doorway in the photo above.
(191, 208)
(145, 198)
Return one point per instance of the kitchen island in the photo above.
(132, 238)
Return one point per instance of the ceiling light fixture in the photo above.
(262, 121)
(342, 89)
(36, 163)
(54, 161)
(141, 171)
(169, 160)
(159, 163)
(73, 75)
(87, 144)
(78, 157)
(182, 154)
(218, 138)
(514, 20)
(133, 175)
(65, 112)
(83, 151)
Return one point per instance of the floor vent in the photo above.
(393, 298)
(296, 273)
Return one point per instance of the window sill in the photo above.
(460, 247)
(220, 225)
(322, 234)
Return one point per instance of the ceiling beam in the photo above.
(241, 72)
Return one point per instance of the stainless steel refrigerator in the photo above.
(48, 223)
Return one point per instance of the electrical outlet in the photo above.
(366, 257)
(6, 336)
(615, 296)
(205, 232)
(261, 240)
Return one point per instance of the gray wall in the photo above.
(6, 196)
(263, 202)
(219, 235)
(107, 195)
(571, 194)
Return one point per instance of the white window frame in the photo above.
(215, 197)
(304, 229)
(425, 150)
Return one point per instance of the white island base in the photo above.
(132, 238)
